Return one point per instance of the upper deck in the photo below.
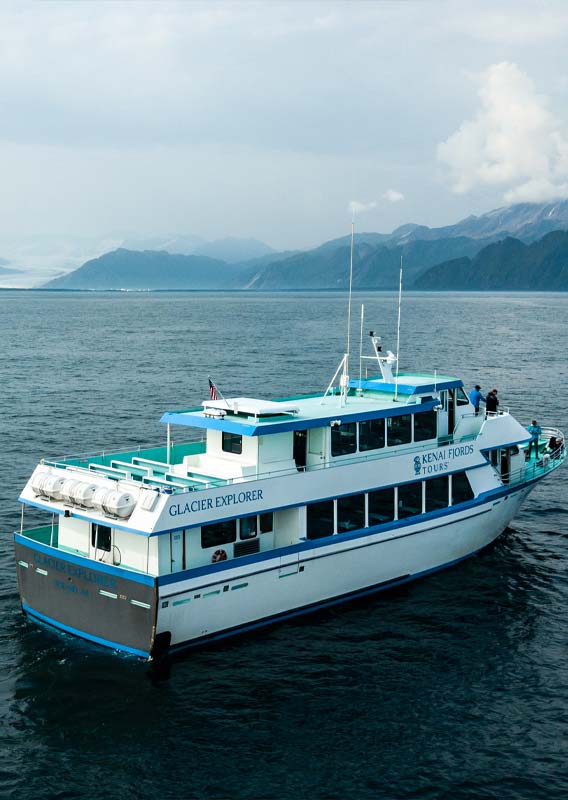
(240, 439)
(373, 398)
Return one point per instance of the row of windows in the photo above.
(219, 533)
(385, 505)
(354, 512)
(374, 434)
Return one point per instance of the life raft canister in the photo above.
(218, 555)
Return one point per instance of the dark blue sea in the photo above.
(453, 687)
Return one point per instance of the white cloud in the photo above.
(392, 196)
(355, 207)
(514, 142)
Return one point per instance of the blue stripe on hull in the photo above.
(53, 623)
(285, 615)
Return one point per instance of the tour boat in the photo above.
(273, 508)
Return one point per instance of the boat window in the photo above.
(381, 506)
(232, 443)
(461, 489)
(218, 533)
(350, 513)
(266, 522)
(437, 493)
(247, 527)
(371, 434)
(462, 398)
(399, 430)
(425, 425)
(320, 519)
(101, 536)
(300, 449)
(409, 500)
(344, 439)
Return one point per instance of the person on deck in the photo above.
(553, 445)
(492, 402)
(475, 398)
(535, 431)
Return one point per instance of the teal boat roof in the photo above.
(376, 398)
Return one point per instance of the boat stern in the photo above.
(99, 602)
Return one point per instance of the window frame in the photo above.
(223, 540)
(336, 433)
(261, 528)
(398, 418)
(431, 482)
(461, 397)
(420, 415)
(250, 535)
(370, 422)
(232, 443)
(340, 527)
(454, 475)
(405, 487)
(310, 525)
(98, 530)
(393, 506)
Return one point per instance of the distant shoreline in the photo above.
(358, 290)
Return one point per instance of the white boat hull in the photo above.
(246, 595)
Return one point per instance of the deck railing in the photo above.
(539, 465)
(138, 449)
(44, 534)
(530, 468)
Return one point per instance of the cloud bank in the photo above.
(514, 141)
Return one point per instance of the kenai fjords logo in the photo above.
(439, 460)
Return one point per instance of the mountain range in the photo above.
(505, 248)
(510, 263)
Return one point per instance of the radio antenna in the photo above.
(343, 368)
(344, 380)
(398, 331)
(360, 389)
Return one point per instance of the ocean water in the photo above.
(453, 687)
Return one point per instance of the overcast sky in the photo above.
(267, 119)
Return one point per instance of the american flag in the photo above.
(213, 390)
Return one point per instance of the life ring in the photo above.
(218, 555)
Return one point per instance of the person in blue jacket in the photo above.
(475, 398)
(535, 431)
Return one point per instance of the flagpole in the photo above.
(212, 383)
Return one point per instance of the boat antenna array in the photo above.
(343, 368)
(386, 363)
